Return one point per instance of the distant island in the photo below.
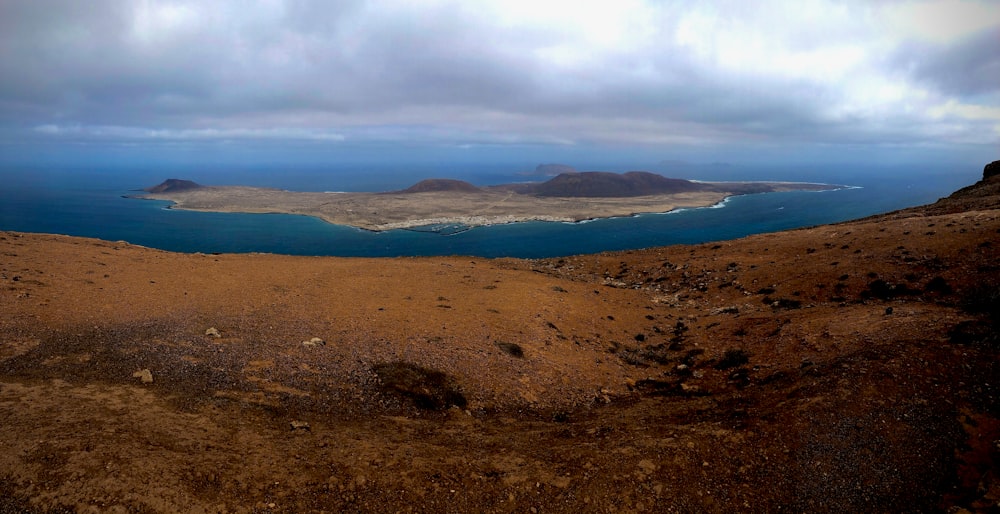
(570, 196)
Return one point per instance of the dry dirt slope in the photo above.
(841, 368)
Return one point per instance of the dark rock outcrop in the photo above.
(171, 185)
(982, 195)
(991, 170)
(441, 184)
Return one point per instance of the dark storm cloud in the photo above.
(970, 66)
(485, 73)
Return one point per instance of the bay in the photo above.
(90, 203)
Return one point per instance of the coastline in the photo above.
(379, 212)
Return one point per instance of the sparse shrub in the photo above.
(883, 290)
(983, 298)
(938, 285)
(783, 303)
(879, 289)
(657, 353)
(655, 387)
(740, 377)
(512, 349)
(972, 332)
(733, 358)
(692, 356)
(428, 389)
(644, 357)
(632, 357)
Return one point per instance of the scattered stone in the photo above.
(888, 311)
(314, 342)
(725, 310)
(213, 332)
(300, 425)
(690, 388)
(145, 376)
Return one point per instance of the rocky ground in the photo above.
(845, 368)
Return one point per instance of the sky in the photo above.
(315, 81)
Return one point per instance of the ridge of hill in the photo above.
(441, 185)
(839, 368)
(613, 185)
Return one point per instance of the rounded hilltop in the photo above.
(436, 185)
(451, 201)
(173, 185)
(603, 184)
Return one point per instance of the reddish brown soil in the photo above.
(842, 368)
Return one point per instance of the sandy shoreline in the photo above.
(389, 211)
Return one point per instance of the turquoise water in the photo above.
(89, 203)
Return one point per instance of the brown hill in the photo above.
(172, 185)
(603, 184)
(843, 368)
(611, 185)
(441, 185)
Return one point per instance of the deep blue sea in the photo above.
(90, 203)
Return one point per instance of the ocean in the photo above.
(91, 203)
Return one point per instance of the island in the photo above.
(568, 197)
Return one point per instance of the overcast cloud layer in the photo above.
(621, 75)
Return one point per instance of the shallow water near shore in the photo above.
(90, 203)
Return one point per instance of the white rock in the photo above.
(144, 375)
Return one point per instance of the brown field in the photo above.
(842, 368)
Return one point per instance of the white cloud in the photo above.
(940, 21)
(967, 111)
(558, 72)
